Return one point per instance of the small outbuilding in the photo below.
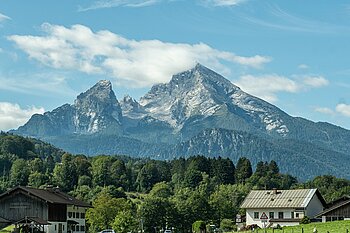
(268, 208)
(336, 210)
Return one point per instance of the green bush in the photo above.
(228, 225)
(305, 220)
(199, 227)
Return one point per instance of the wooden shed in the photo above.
(336, 210)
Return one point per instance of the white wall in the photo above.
(53, 228)
(315, 207)
(287, 213)
(77, 210)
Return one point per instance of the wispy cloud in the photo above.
(314, 81)
(130, 62)
(283, 20)
(144, 3)
(340, 109)
(12, 115)
(303, 66)
(325, 110)
(118, 3)
(268, 86)
(3, 17)
(223, 2)
(39, 84)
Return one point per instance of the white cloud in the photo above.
(315, 81)
(303, 66)
(343, 109)
(324, 110)
(4, 17)
(12, 115)
(134, 63)
(224, 2)
(118, 3)
(267, 86)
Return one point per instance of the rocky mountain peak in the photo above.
(97, 109)
(131, 107)
(128, 100)
(101, 91)
(195, 92)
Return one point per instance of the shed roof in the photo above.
(3, 220)
(343, 201)
(51, 195)
(297, 198)
(36, 220)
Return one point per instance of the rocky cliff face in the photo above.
(95, 111)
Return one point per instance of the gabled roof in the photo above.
(51, 195)
(298, 198)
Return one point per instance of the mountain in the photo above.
(197, 112)
(95, 111)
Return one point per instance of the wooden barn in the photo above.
(42, 210)
(336, 210)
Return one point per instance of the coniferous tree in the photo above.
(243, 170)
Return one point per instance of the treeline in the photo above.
(128, 193)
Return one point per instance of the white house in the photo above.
(267, 208)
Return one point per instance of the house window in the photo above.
(73, 214)
(272, 215)
(69, 214)
(280, 215)
(77, 228)
(55, 227)
(77, 215)
(256, 215)
(291, 214)
(82, 215)
(297, 215)
(82, 228)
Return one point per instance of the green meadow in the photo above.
(329, 227)
(7, 229)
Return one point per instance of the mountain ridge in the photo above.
(174, 119)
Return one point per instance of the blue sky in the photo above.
(294, 54)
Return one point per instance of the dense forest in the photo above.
(131, 192)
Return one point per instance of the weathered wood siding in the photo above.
(19, 205)
(343, 211)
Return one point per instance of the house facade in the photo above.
(268, 208)
(48, 210)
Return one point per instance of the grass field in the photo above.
(7, 229)
(329, 227)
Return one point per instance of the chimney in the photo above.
(274, 191)
(48, 187)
